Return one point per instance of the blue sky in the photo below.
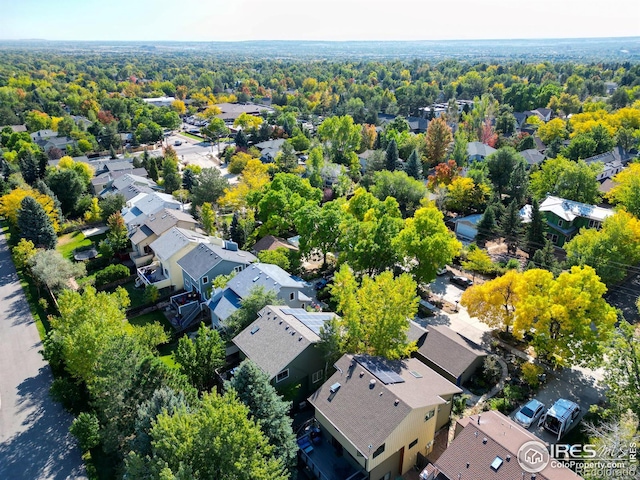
(211, 20)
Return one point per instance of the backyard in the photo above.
(71, 241)
(165, 351)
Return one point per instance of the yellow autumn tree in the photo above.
(10, 204)
(254, 177)
(493, 302)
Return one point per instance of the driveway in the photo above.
(34, 430)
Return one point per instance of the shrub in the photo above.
(111, 274)
(501, 404)
(491, 369)
(86, 429)
(531, 374)
(151, 294)
(67, 392)
(513, 393)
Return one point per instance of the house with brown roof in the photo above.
(485, 446)
(381, 415)
(283, 343)
(269, 242)
(450, 354)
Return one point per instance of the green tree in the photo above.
(408, 191)
(210, 187)
(545, 258)
(23, 252)
(111, 204)
(375, 316)
(391, 155)
(208, 218)
(86, 429)
(320, 227)
(626, 190)
(459, 153)
(153, 169)
(478, 261)
(536, 230)
(268, 410)
(35, 225)
(94, 214)
(189, 179)
(287, 160)
(29, 167)
(511, 227)
(427, 244)
(564, 178)
(215, 130)
(342, 135)
(215, 440)
(199, 358)
(278, 257)
(438, 139)
(501, 165)
(314, 167)
(51, 269)
(257, 299)
(413, 168)
(170, 175)
(67, 186)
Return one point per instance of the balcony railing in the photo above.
(154, 275)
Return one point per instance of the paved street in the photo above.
(34, 439)
(577, 384)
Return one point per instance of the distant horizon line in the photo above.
(320, 40)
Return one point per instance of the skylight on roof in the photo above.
(415, 374)
(496, 464)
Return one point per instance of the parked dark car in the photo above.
(463, 282)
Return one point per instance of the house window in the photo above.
(283, 375)
(292, 296)
(205, 280)
(594, 224)
(187, 284)
(553, 237)
(238, 269)
(560, 222)
(413, 444)
(378, 451)
(429, 415)
(316, 377)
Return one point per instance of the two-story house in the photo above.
(208, 260)
(138, 209)
(283, 343)
(565, 218)
(164, 271)
(381, 415)
(292, 290)
(478, 151)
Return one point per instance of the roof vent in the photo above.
(287, 327)
(256, 278)
(254, 329)
(361, 374)
(372, 383)
(396, 402)
(508, 458)
(335, 387)
(300, 339)
(380, 394)
(484, 441)
(293, 332)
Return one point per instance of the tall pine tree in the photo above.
(28, 167)
(392, 155)
(413, 168)
(487, 226)
(536, 231)
(269, 410)
(35, 225)
(511, 227)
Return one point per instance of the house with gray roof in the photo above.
(269, 149)
(109, 183)
(292, 356)
(208, 260)
(533, 156)
(231, 111)
(15, 128)
(138, 209)
(164, 271)
(293, 291)
(156, 224)
(43, 134)
(383, 414)
(452, 355)
(478, 151)
(55, 142)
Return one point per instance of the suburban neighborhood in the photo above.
(373, 269)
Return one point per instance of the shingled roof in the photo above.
(367, 416)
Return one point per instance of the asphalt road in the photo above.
(34, 430)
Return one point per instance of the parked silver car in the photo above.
(529, 413)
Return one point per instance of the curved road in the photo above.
(34, 430)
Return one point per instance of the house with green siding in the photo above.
(565, 218)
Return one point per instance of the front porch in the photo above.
(153, 274)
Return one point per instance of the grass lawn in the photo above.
(165, 351)
(68, 242)
(136, 295)
(190, 135)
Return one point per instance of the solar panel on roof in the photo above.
(312, 320)
(380, 368)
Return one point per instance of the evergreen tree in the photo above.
(153, 169)
(545, 258)
(35, 225)
(29, 167)
(536, 231)
(199, 359)
(44, 189)
(170, 175)
(188, 179)
(237, 233)
(511, 227)
(391, 158)
(112, 153)
(241, 140)
(268, 409)
(413, 167)
(487, 225)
